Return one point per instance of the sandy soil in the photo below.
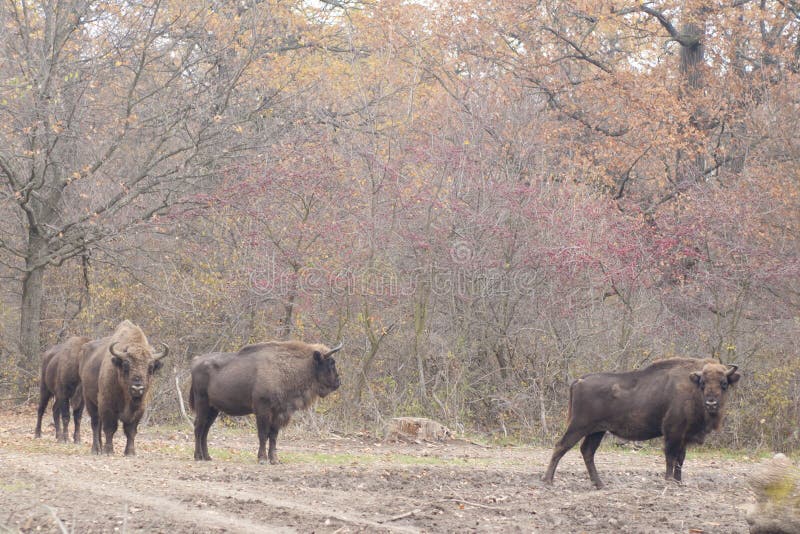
(350, 484)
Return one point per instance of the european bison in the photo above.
(272, 380)
(60, 379)
(116, 373)
(680, 398)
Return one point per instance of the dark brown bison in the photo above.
(272, 380)
(116, 372)
(681, 399)
(60, 379)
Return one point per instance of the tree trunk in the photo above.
(420, 316)
(361, 381)
(692, 55)
(286, 322)
(31, 318)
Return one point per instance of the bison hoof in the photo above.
(599, 485)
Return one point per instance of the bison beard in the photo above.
(681, 399)
(60, 379)
(271, 380)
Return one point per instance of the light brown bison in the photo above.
(272, 380)
(116, 372)
(681, 399)
(60, 379)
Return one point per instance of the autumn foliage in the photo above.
(484, 200)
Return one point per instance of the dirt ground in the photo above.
(351, 484)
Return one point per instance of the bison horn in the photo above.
(114, 352)
(337, 348)
(163, 353)
(731, 369)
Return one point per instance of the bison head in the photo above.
(325, 370)
(713, 382)
(136, 364)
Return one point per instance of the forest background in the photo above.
(484, 200)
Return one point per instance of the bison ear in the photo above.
(696, 377)
(117, 361)
(317, 356)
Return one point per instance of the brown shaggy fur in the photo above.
(681, 399)
(271, 380)
(60, 379)
(115, 388)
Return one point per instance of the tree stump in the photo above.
(777, 507)
(416, 429)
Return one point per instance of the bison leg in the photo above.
(77, 413)
(680, 456)
(44, 398)
(204, 418)
(273, 438)
(675, 453)
(262, 423)
(570, 438)
(64, 419)
(77, 404)
(95, 421)
(130, 436)
(57, 411)
(110, 425)
(588, 448)
(212, 415)
(266, 430)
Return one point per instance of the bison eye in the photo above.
(702, 383)
(723, 385)
(126, 367)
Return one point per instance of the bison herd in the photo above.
(111, 377)
(681, 399)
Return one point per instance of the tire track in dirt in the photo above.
(326, 512)
(64, 478)
(120, 480)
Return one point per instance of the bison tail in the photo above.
(571, 396)
(191, 397)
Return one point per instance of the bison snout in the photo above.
(712, 405)
(137, 390)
